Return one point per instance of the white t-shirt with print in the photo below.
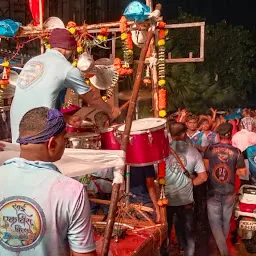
(42, 212)
(178, 187)
(39, 85)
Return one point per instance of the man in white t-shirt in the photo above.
(179, 185)
(42, 212)
(44, 77)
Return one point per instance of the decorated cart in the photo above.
(119, 233)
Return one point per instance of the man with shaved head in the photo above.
(42, 212)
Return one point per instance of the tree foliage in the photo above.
(227, 76)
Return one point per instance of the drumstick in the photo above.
(124, 106)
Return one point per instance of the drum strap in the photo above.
(98, 187)
(185, 171)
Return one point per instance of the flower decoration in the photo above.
(103, 35)
(5, 75)
(162, 201)
(162, 32)
(127, 44)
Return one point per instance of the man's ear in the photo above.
(51, 143)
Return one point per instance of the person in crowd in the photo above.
(143, 189)
(247, 121)
(242, 140)
(42, 212)
(45, 76)
(251, 155)
(101, 184)
(223, 162)
(205, 127)
(179, 185)
(194, 136)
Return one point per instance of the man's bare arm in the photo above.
(200, 179)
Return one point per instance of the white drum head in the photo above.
(145, 124)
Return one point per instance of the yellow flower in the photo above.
(162, 113)
(100, 37)
(161, 181)
(79, 49)
(74, 63)
(166, 32)
(104, 98)
(123, 36)
(3, 86)
(161, 42)
(48, 46)
(125, 65)
(105, 38)
(6, 64)
(130, 52)
(72, 30)
(161, 82)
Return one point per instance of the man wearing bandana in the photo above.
(44, 77)
(42, 212)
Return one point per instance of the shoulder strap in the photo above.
(180, 162)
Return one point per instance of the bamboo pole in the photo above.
(41, 23)
(125, 140)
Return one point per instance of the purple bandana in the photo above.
(55, 125)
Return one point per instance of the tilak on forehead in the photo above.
(54, 126)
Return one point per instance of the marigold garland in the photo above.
(5, 75)
(127, 44)
(162, 32)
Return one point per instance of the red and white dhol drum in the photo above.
(148, 143)
(110, 139)
(86, 126)
(83, 140)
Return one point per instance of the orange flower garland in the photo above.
(6, 75)
(162, 32)
(127, 44)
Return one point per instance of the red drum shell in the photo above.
(109, 140)
(71, 129)
(148, 146)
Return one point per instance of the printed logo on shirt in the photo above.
(221, 173)
(29, 74)
(22, 224)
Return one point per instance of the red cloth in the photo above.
(35, 10)
(235, 128)
(62, 38)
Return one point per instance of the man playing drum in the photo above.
(42, 212)
(45, 76)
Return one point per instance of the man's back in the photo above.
(42, 212)
(39, 84)
(224, 159)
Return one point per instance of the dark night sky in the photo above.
(237, 12)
